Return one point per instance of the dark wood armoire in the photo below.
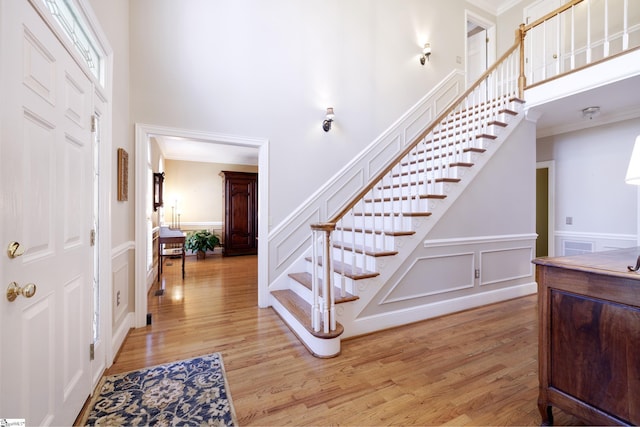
(240, 196)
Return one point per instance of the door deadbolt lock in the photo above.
(15, 249)
(14, 290)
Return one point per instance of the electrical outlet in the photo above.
(477, 273)
(118, 299)
(569, 220)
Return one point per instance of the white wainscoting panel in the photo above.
(574, 242)
(504, 265)
(432, 276)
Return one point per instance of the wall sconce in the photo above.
(426, 53)
(633, 177)
(328, 119)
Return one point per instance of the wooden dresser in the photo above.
(240, 193)
(589, 337)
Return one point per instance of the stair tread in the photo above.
(398, 199)
(429, 169)
(508, 111)
(419, 183)
(305, 280)
(354, 273)
(301, 310)
(386, 232)
(475, 150)
(387, 214)
(367, 250)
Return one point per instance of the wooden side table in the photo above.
(170, 236)
(589, 337)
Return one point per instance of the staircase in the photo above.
(409, 192)
(355, 252)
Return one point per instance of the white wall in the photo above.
(508, 23)
(270, 68)
(111, 15)
(590, 166)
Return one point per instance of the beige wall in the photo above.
(197, 188)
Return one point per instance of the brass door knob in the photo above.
(15, 250)
(14, 290)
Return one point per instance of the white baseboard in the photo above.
(121, 333)
(393, 319)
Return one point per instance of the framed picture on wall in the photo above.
(123, 175)
(158, 179)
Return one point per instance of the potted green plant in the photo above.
(201, 241)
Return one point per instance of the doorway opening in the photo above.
(480, 46)
(144, 276)
(545, 219)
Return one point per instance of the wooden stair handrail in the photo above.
(551, 14)
(354, 200)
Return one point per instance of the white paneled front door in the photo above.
(46, 193)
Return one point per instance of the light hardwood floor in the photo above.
(478, 367)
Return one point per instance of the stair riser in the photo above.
(486, 112)
(367, 239)
(388, 223)
(411, 191)
(477, 118)
(355, 259)
(301, 290)
(414, 205)
(420, 158)
(421, 175)
(466, 131)
(487, 116)
(338, 281)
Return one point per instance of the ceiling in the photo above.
(617, 101)
(178, 148)
(495, 7)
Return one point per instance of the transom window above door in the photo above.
(68, 16)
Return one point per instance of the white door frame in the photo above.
(143, 133)
(491, 35)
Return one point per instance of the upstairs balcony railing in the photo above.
(576, 35)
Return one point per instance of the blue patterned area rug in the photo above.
(188, 392)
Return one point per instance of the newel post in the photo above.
(522, 79)
(323, 306)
